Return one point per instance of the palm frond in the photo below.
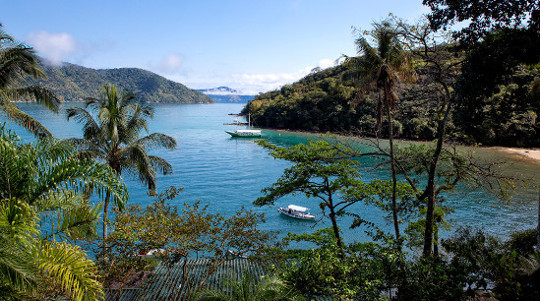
(17, 269)
(17, 61)
(137, 162)
(90, 126)
(23, 119)
(161, 165)
(40, 95)
(135, 123)
(61, 199)
(17, 221)
(156, 140)
(76, 174)
(69, 266)
(18, 227)
(77, 222)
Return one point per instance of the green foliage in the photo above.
(114, 137)
(492, 96)
(494, 101)
(327, 101)
(17, 63)
(69, 267)
(179, 234)
(75, 83)
(322, 171)
(523, 241)
(250, 289)
(361, 275)
(39, 181)
(429, 279)
(38, 174)
(483, 17)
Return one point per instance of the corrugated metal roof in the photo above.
(127, 294)
(160, 286)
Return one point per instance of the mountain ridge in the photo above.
(226, 94)
(73, 82)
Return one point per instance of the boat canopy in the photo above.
(298, 208)
(248, 131)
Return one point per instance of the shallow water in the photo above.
(228, 173)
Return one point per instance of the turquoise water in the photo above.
(228, 173)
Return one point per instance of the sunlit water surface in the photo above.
(228, 173)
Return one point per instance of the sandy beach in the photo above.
(529, 153)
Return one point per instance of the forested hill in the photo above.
(74, 83)
(328, 101)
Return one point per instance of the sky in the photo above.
(250, 45)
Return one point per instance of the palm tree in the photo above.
(381, 68)
(114, 138)
(47, 179)
(18, 62)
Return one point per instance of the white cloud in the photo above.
(255, 83)
(249, 83)
(326, 63)
(269, 81)
(55, 47)
(171, 63)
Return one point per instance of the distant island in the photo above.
(74, 83)
(226, 94)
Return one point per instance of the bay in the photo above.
(227, 173)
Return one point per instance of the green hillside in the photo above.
(328, 101)
(74, 83)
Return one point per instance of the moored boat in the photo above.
(249, 133)
(297, 212)
(245, 133)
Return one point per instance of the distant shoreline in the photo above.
(529, 154)
(532, 154)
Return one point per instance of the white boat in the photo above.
(249, 133)
(245, 133)
(297, 212)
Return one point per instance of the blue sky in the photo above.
(252, 46)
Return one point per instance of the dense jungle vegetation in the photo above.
(494, 101)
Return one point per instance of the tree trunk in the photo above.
(394, 178)
(336, 232)
(435, 242)
(538, 227)
(105, 215)
(332, 216)
(430, 187)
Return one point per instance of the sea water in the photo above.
(228, 173)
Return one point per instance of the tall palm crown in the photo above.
(114, 137)
(382, 67)
(17, 63)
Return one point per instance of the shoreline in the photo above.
(529, 154)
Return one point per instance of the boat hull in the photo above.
(244, 135)
(296, 215)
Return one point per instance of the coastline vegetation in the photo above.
(407, 73)
(493, 82)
